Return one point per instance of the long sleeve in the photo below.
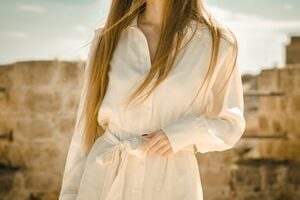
(224, 124)
(76, 158)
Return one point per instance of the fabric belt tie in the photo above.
(117, 154)
(133, 145)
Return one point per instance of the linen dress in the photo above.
(118, 167)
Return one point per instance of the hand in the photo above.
(159, 143)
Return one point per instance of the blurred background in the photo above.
(42, 54)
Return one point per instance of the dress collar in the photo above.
(193, 26)
(133, 22)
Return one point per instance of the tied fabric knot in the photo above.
(134, 146)
(117, 153)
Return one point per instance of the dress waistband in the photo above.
(134, 145)
(117, 152)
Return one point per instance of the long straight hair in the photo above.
(176, 16)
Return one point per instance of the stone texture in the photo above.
(37, 113)
(293, 51)
(258, 179)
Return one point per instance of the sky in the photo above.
(61, 29)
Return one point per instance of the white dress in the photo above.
(118, 167)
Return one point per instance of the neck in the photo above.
(153, 13)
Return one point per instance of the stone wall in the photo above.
(293, 51)
(38, 102)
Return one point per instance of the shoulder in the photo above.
(97, 32)
(99, 28)
(228, 40)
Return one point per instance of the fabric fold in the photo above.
(117, 154)
(133, 146)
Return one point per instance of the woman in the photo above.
(178, 65)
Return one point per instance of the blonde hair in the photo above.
(177, 15)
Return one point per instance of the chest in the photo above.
(131, 62)
(152, 40)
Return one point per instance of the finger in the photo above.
(152, 141)
(157, 146)
(162, 150)
(168, 152)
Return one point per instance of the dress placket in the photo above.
(146, 105)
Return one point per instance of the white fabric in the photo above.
(118, 166)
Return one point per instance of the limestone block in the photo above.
(70, 73)
(209, 178)
(12, 102)
(290, 127)
(15, 154)
(275, 149)
(274, 179)
(283, 103)
(41, 101)
(268, 80)
(246, 178)
(268, 104)
(287, 79)
(42, 156)
(44, 195)
(217, 192)
(65, 124)
(252, 124)
(297, 77)
(17, 192)
(32, 73)
(7, 76)
(40, 180)
(293, 177)
(33, 129)
(295, 103)
(277, 126)
(71, 100)
(263, 123)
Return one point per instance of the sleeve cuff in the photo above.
(206, 134)
(184, 132)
